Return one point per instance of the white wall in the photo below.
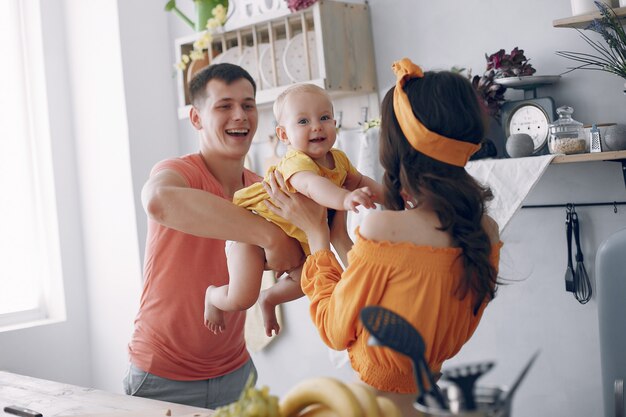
(60, 351)
(115, 115)
(111, 96)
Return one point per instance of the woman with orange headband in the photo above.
(431, 257)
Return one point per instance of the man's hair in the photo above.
(297, 88)
(228, 73)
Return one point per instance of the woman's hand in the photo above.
(339, 236)
(299, 210)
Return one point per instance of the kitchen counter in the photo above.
(57, 399)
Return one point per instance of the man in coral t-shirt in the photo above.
(188, 201)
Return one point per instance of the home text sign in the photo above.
(248, 12)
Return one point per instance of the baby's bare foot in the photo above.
(213, 316)
(269, 315)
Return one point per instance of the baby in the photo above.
(312, 166)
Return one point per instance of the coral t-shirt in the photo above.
(170, 339)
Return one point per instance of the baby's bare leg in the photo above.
(245, 268)
(286, 289)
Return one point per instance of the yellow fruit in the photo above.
(366, 397)
(317, 410)
(388, 408)
(324, 391)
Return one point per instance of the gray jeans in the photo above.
(206, 393)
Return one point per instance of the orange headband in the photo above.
(441, 148)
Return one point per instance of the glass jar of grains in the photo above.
(566, 134)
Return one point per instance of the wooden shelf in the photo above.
(337, 32)
(589, 157)
(583, 20)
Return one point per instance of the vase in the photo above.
(195, 66)
(204, 11)
(586, 6)
(519, 145)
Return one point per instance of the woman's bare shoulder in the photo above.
(378, 225)
(492, 228)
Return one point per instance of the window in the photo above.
(30, 279)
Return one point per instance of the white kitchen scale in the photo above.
(531, 115)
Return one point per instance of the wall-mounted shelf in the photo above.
(336, 54)
(583, 20)
(617, 156)
(589, 157)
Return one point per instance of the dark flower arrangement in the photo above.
(295, 5)
(514, 64)
(611, 55)
(499, 65)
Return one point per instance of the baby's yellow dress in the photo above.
(253, 197)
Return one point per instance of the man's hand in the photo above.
(283, 253)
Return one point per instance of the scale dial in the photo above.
(530, 119)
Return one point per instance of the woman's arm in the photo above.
(337, 297)
(339, 237)
(300, 210)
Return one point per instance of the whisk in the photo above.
(582, 286)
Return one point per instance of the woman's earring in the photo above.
(409, 201)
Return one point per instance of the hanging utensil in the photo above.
(582, 285)
(619, 397)
(569, 272)
(465, 378)
(393, 331)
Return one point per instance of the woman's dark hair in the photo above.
(228, 73)
(445, 103)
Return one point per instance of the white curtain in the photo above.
(362, 150)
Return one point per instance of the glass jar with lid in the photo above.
(566, 134)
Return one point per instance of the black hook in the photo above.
(615, 207)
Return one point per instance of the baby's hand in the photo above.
(358, 197)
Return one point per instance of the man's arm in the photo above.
(168, 200)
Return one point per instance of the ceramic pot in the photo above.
(587, 6)
(615, 138)
(519, 145)
(195, 66)
(204, 11)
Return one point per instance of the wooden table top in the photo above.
(58, 399)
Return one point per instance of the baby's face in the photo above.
(309, 124)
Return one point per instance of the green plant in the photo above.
(218, 11)
(610, 55)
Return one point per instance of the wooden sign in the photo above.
(248, 12)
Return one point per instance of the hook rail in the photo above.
(605, 203)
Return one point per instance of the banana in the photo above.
(317, 410)
(366, 397)
(388, 408)
(321, 390)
